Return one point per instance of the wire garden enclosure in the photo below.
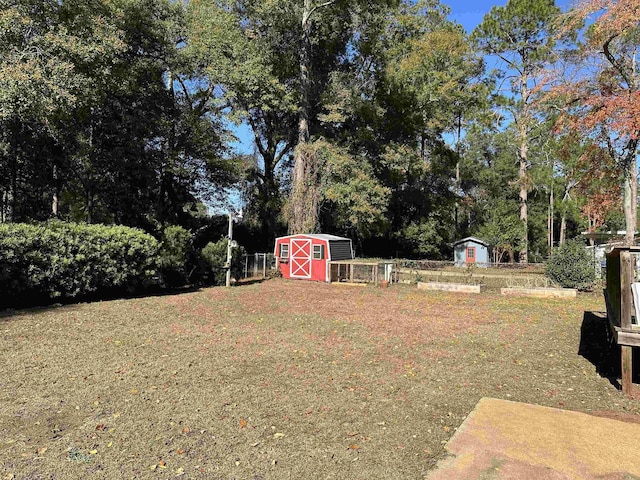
(362, 272)
(258, 265)
(492, 276)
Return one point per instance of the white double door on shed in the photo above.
(300, 258)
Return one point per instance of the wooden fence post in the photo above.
(626, 277)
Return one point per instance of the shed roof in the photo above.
(319, 236)
(470, 239)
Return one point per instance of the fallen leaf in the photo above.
(162, 464)
(243, 423)
(186, 430)
(100, 426)
(180, 451)
(42, 450)
(153, 467)
(93, 452)
(278, 435)
(355, 446)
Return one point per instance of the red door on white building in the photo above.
(300, 259)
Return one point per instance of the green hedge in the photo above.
(174, 262)
(58, 259)
(215, 256)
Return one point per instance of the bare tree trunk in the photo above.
(550, 222)
(522, 175)
(630, 190)
(458, 179)
(55, 201)
(523, 124)
(12, 204)
(563, 229)
(89, 185)
(89, 208)
(300, 183)
(305, 76)
(304, 202)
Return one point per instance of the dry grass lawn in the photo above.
(278, 380)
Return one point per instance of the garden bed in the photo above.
(540, 292)
(451, 287)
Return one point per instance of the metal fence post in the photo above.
(264, 265)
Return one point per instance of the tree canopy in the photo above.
(382, 121)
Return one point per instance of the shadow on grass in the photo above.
(598, 345)
(33, 305)
(249, 281)
(41, 304)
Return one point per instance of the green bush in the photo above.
(571, 266)
(58, 259)
(215, 256)
(174, 255)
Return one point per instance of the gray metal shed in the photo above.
(471, 250)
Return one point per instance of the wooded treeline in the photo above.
(381, 120)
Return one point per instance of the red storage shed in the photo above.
(307, 256)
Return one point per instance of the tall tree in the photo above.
(341, 17)
(602, 95)
(91, 130)
(491, 182)
(437, 66)
(245, 56)
(519, 34)
(42, 44)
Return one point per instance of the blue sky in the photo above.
(469, 13)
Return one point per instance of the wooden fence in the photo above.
(363, 272)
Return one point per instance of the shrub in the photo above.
(215, 256)
(173, 257)
(571, 266)
(58, 259)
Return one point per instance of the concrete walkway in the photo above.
(510, 440)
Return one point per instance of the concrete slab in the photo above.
(505, 440)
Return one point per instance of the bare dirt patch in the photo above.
(280, 379)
